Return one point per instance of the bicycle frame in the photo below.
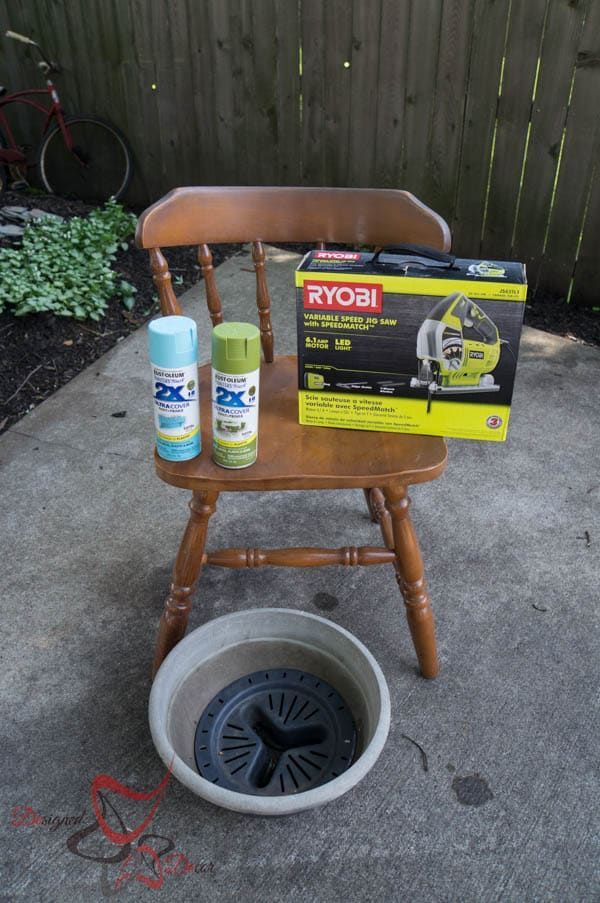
(13, 155)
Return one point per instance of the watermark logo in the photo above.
(125, 854)
(28, 817)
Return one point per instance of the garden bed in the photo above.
(41, 352)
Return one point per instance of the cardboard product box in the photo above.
(408, 342)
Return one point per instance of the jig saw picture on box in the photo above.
(458, 346)
(435, 331)
(459, 349)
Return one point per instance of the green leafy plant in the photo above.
(65, 266)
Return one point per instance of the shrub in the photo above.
(65, 266)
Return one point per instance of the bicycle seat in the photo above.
(3, 90)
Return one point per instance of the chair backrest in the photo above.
(214, 215)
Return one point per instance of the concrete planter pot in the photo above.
(220, 652)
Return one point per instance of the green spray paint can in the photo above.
(235, 382)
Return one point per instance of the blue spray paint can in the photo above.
(173, 347)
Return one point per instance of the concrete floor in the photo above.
(509, 807)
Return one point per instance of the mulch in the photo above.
(42, 352)
(550, 313)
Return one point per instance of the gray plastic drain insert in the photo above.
(275, 732)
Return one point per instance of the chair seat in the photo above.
(291, 456)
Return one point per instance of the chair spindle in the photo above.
(263, 302)
(162, 280)
(213, 301)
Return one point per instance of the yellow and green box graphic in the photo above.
(406, 342)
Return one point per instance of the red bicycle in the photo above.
(79, 156)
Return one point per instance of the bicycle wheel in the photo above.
(99, 166)
(3, 169)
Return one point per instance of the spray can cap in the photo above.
(235, 347)
(173, 342)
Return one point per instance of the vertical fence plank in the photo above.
(142, 70)
(559, 49)
(514, 111)
(65, 44)
(391, 93)
(125, 105)
(176, 107)
(338, 21)
(241, 59)
(313, 41)
(586, 279)
(425, 24)
(366, 25)
(106, 50)
(261, 92)
(202, 95)
(490, 21)
(226, 70)
(173, 117)
(255, 110)
(19, 70)
(580, 152)
(287, 168)
(449, 104)
(240, 48)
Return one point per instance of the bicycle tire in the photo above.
(62, 172)
(4, 174)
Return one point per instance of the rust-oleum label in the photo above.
(173, 349)
(176, 412)
(235, 418)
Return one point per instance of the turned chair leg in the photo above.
(369, 502)
(380, 514)
(411, 580)
(186, 571)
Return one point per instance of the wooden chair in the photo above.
(293, 456)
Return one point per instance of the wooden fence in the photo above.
(488, 110)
